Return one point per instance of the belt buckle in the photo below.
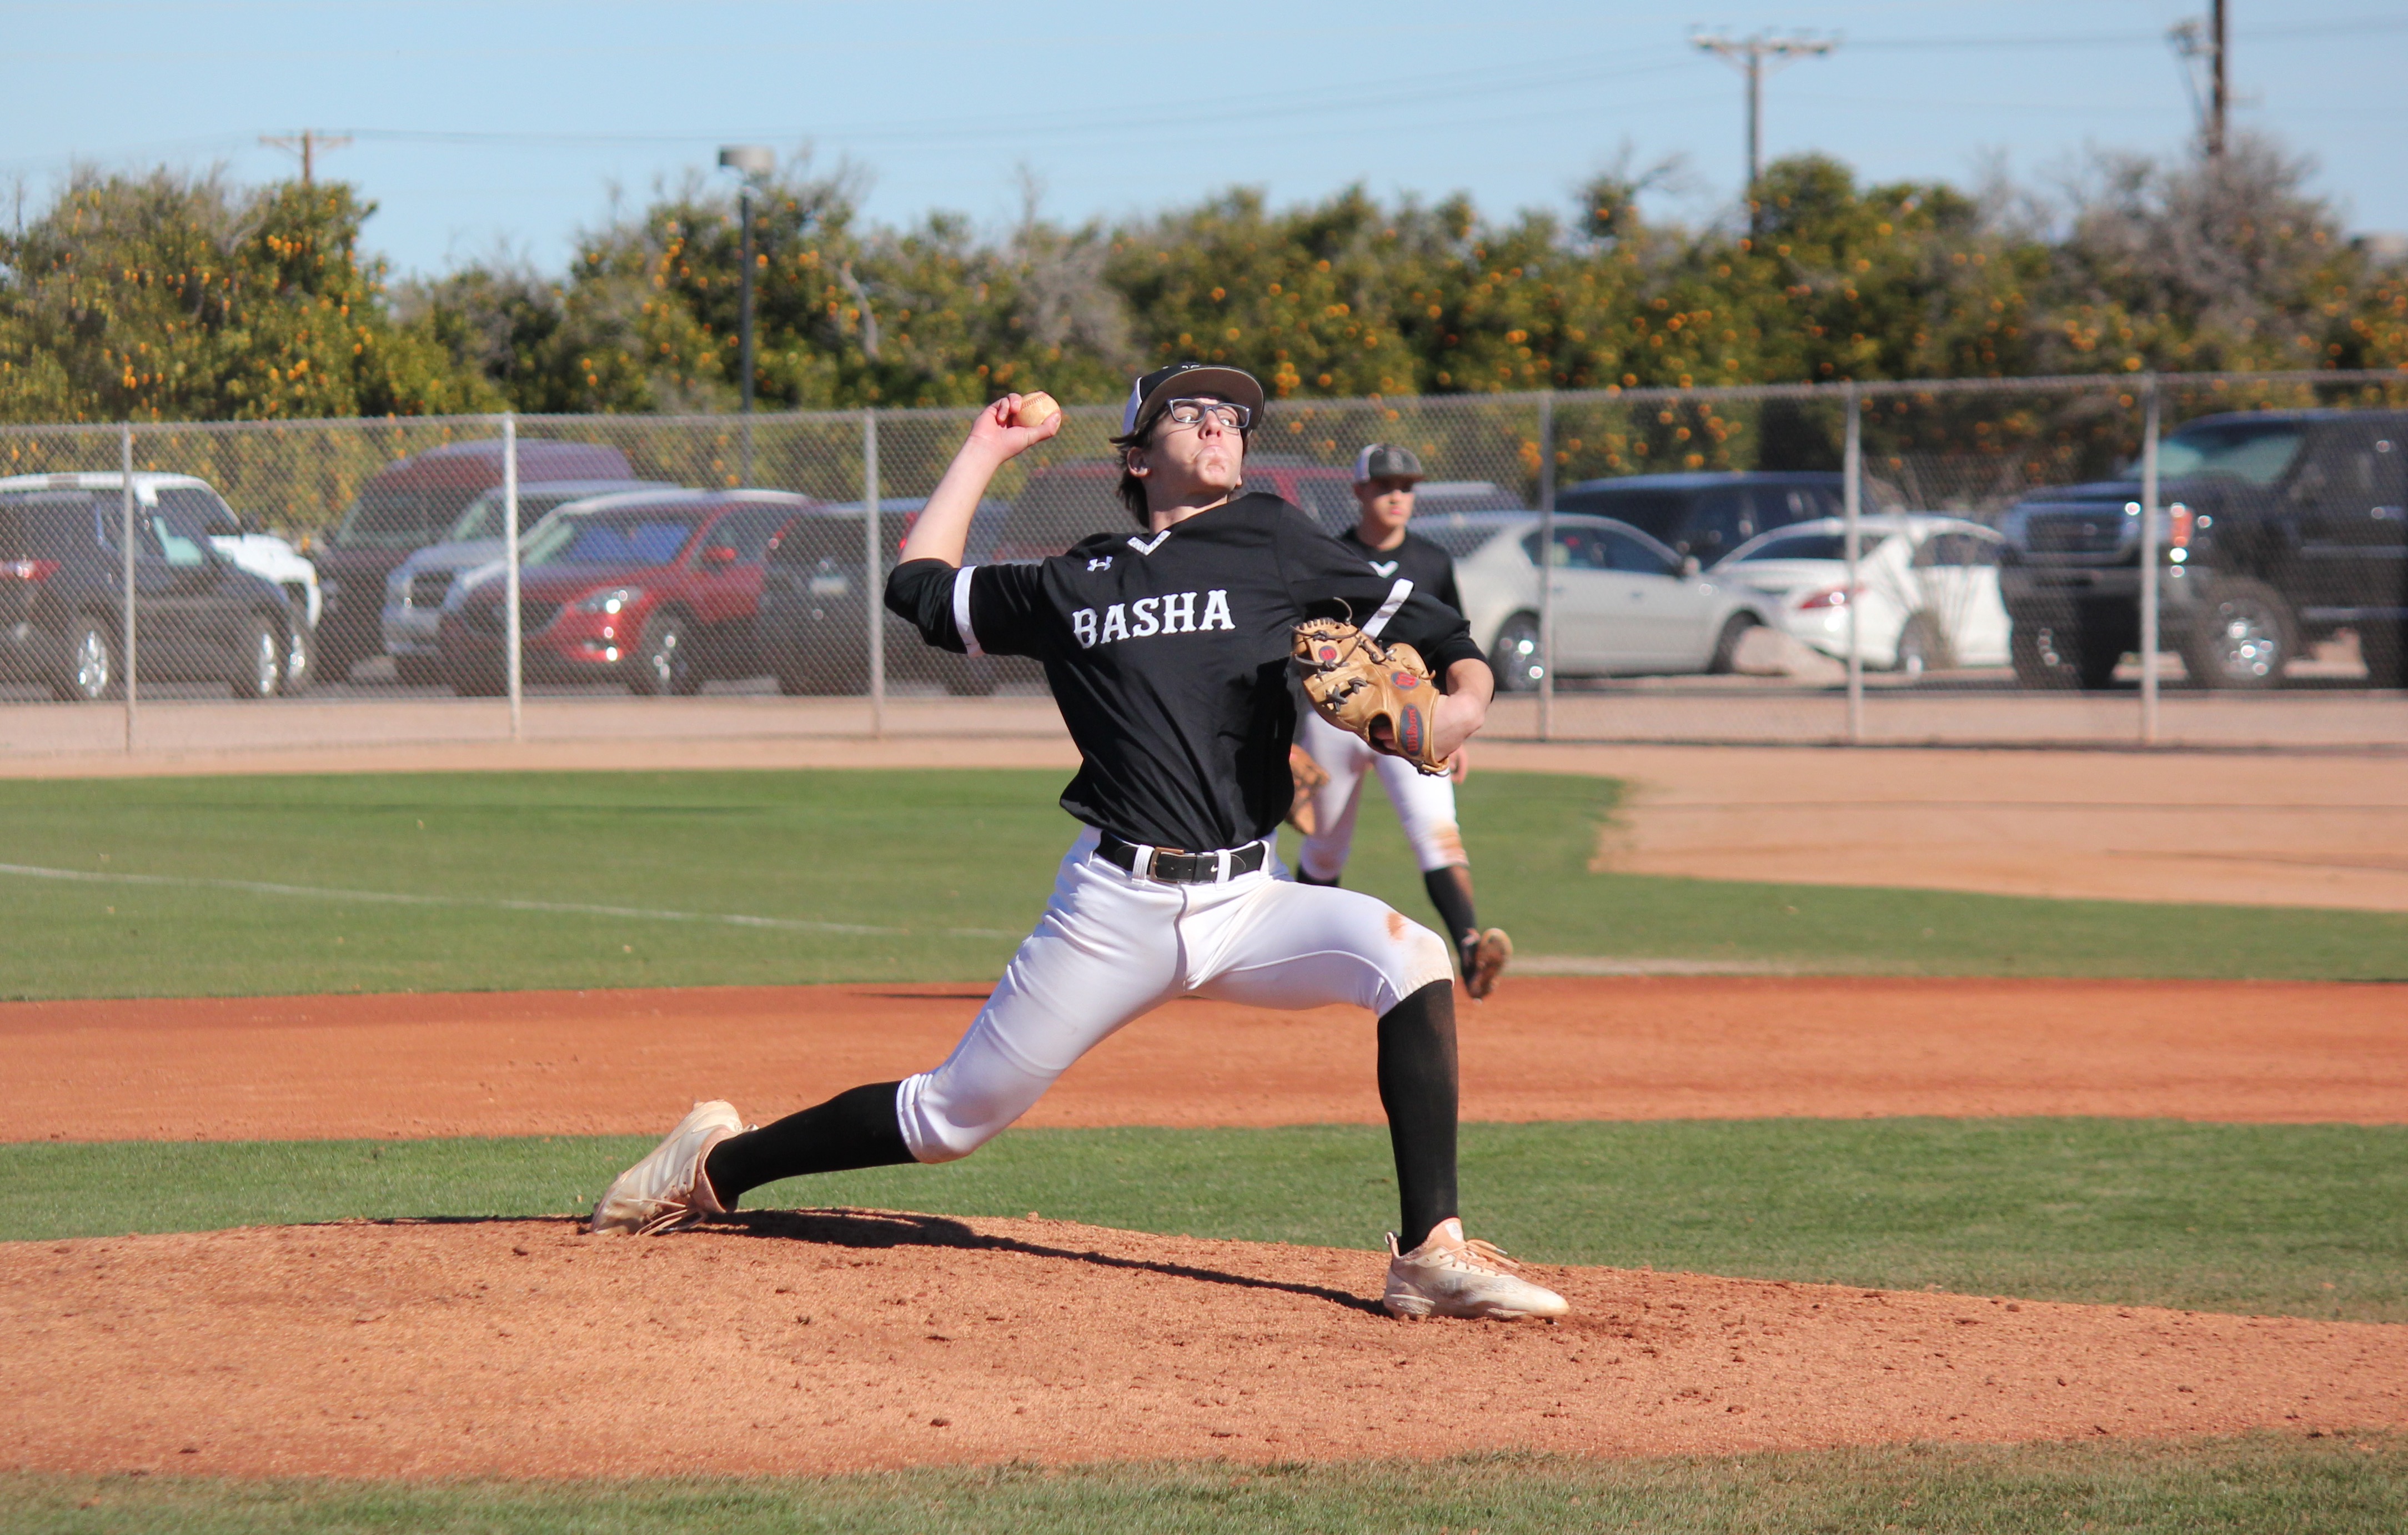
(1153, 864)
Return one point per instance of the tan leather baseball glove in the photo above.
(1354, 681)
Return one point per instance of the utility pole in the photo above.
(1748, 55)
(2218, 99)
(307, 143)
(2210, 40)
(755, 163)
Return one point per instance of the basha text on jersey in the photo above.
(1174, 613)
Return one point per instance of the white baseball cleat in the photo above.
(1484, 960)
(1451, 1275)
(668, 1189)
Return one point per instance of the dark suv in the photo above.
(2277, 529)
(198, 617)
(411, 503)
(1708, 514)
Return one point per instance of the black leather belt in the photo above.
(1173, 866)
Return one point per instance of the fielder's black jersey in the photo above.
(1430, 568)
(1168, 657)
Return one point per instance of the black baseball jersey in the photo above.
(1168, 656)
(1430, 567)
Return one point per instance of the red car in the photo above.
(654, 589)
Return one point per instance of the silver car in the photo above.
(1623, 603)
(414, 592)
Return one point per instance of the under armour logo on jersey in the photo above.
(1102, 561)
(1147, 546)
(1171, 614)
(1386, 568)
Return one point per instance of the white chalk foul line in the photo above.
(389, 897)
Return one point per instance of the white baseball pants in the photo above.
(1426, 805)
(1113, 946)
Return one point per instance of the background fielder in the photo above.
(1385, 478)
(1166, 650)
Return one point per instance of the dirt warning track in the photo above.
(552, 1063)
(824, 1342)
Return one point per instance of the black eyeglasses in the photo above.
(1187, 414)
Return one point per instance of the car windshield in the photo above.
(2254, 452)
(47, 525)
(387, 517)
(628, 536)
(484, 519)
(1654, 512)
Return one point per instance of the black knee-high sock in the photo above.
(1304, 876)
(1450, 891)
(1417, 1088)
(856, 1128)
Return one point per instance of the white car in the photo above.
(1623, 603)
(195, 504)
(1926, 593)
(414, 592)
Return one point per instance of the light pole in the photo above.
(1748, 55)
(755, 163)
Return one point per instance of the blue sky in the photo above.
(506, 126)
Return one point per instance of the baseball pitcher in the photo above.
(1168, 649)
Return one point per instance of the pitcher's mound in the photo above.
(845, 1340)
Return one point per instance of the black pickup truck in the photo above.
(2276, 529)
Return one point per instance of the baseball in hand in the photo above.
(1035, 409)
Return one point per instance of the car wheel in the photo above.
(1516, 656)
(1922, 647)
(300, 659)
(1725, 658)
(87, 665)
(419, 671)
(2059, 655)
(2243, 638)
(664, 659)
(258, 660)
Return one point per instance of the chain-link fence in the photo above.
(2186, 560)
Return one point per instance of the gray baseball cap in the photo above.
(1387, 461)
(1181, 380)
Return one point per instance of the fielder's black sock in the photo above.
(1305, 877)
(856, 1128)
(1450, 891)
(1417, 1088)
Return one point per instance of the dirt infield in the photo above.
(825, 1342)
(551, 1063)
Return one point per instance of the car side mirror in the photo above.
(1690, 566)
(718, 554)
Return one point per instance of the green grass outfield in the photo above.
(262, 886)
(2257, 1484)
(2300, 1220)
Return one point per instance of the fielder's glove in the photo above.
(1353, 680)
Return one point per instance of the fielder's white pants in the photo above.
(1113, 946)
(1426, 805)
